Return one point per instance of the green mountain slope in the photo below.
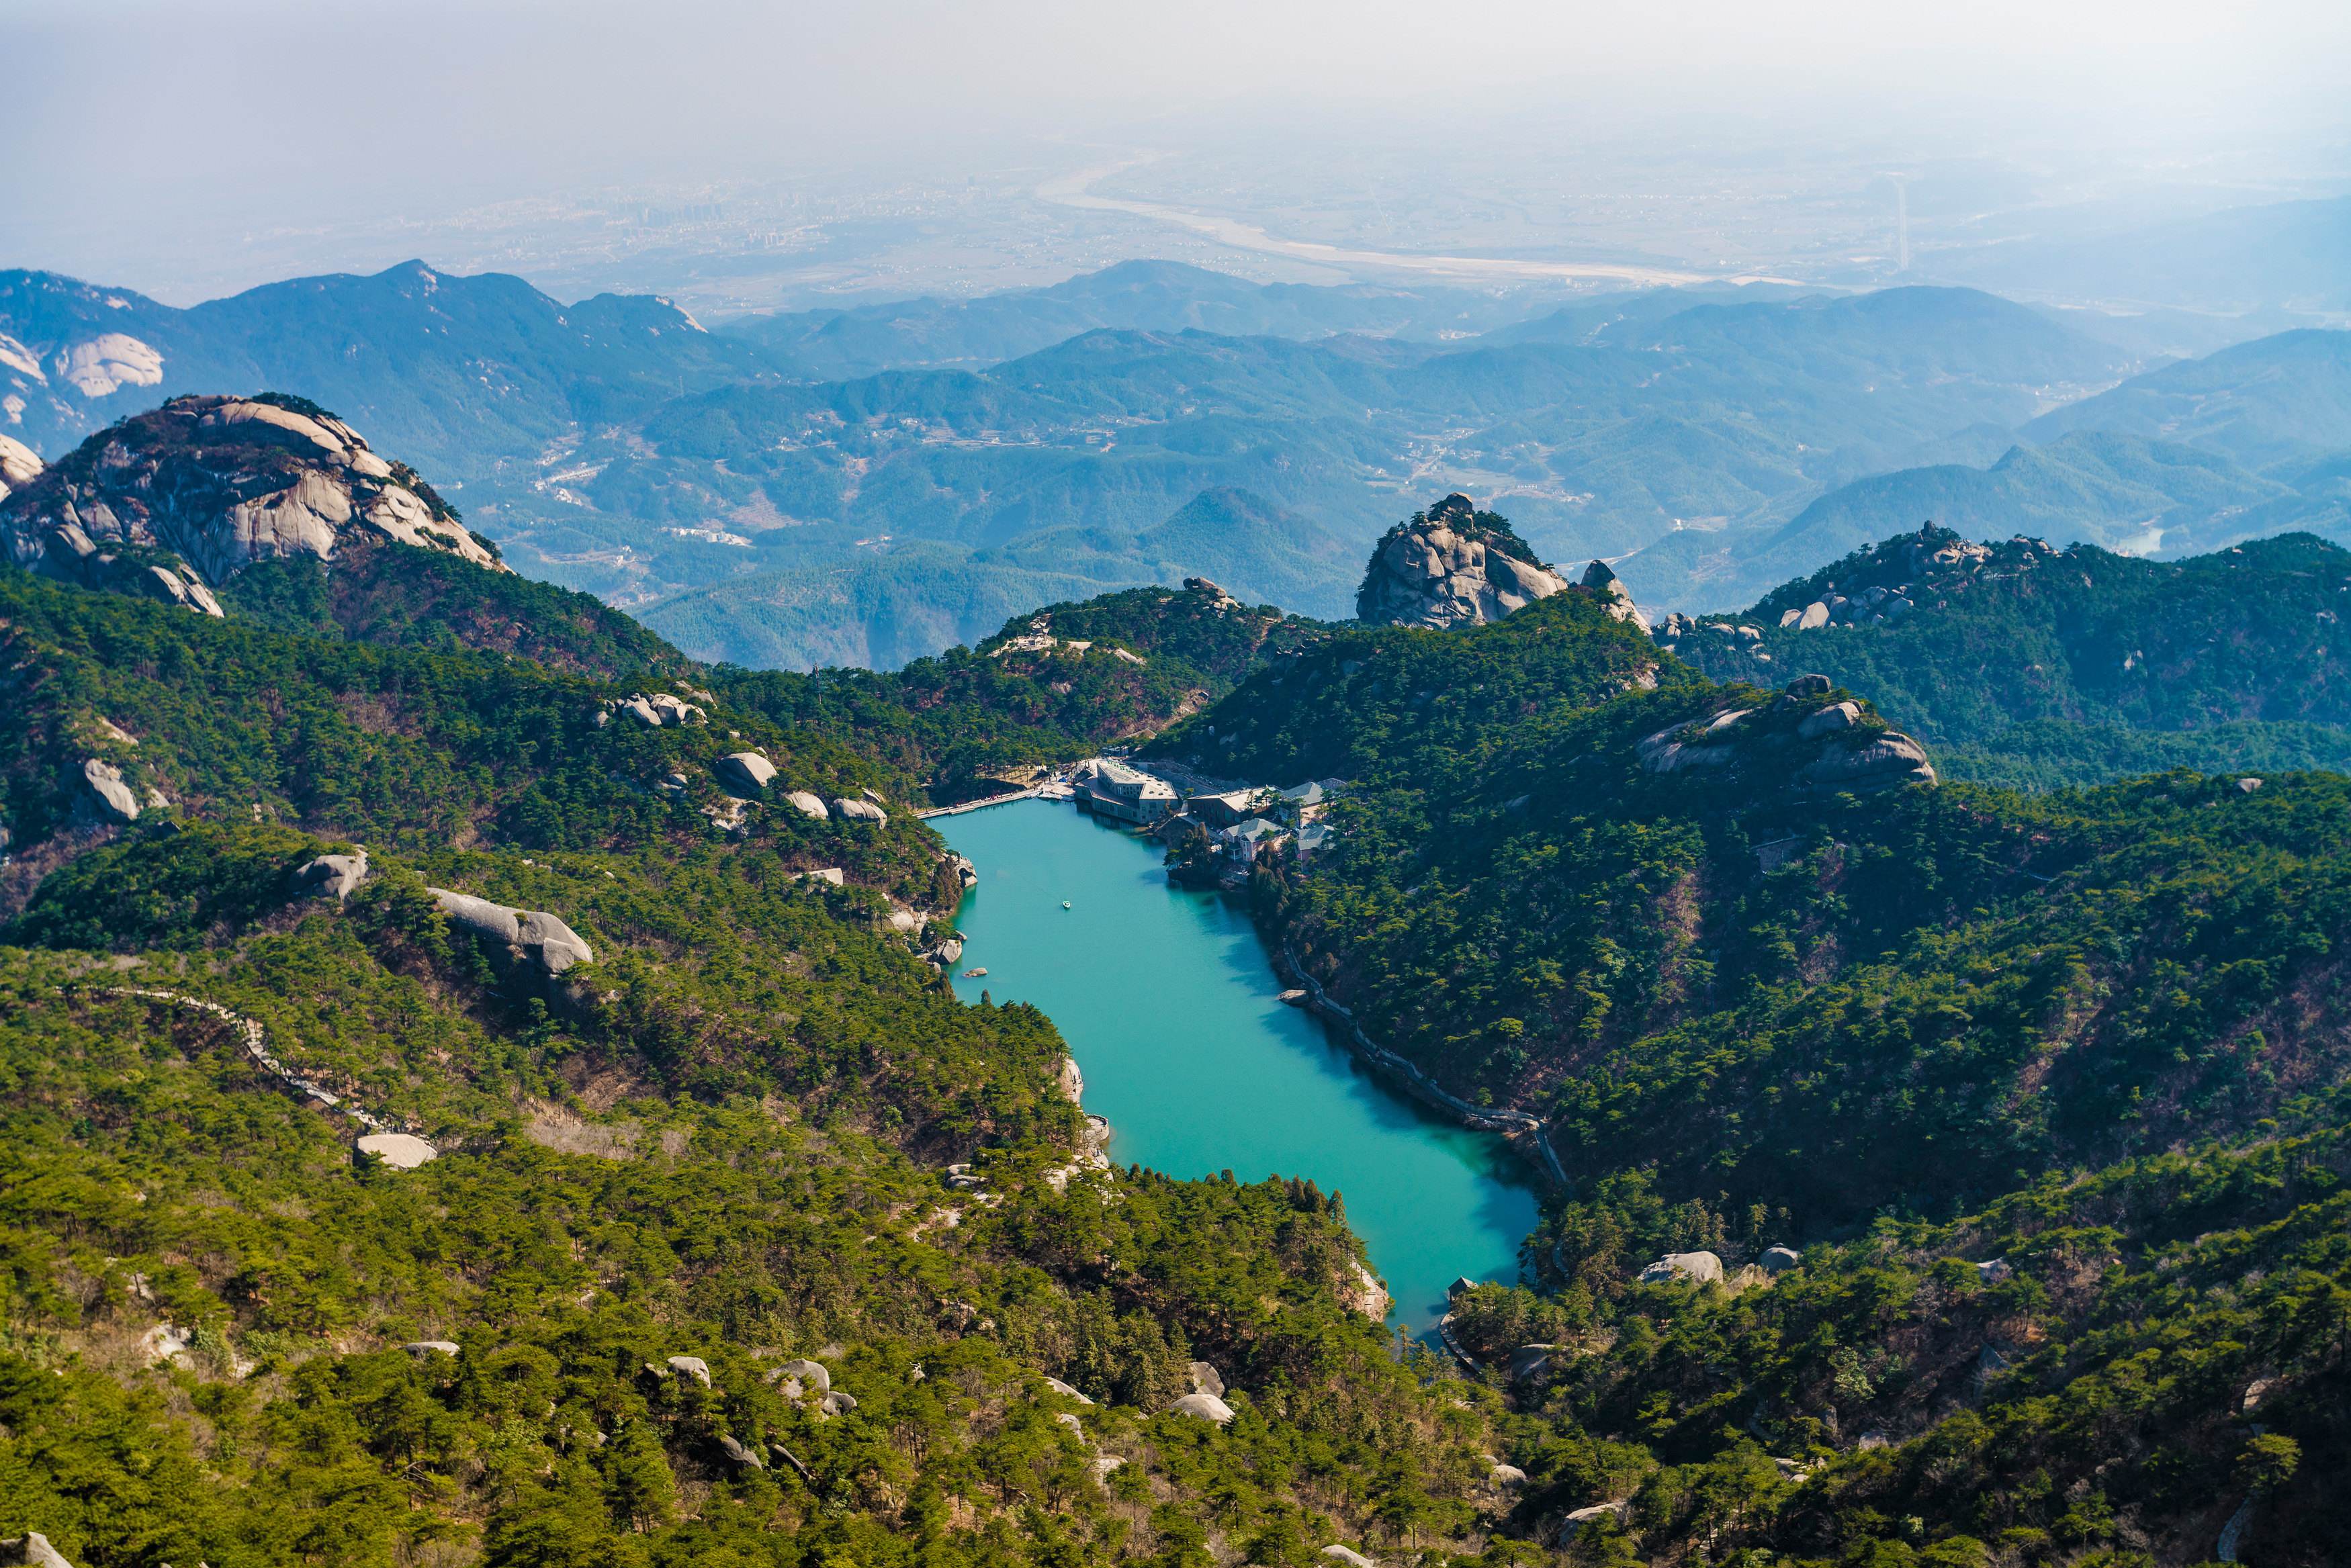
(720, 1133)
(2026, 666)
(1759, 984)
(2047, 1089)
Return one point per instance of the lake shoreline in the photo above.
(1169, 1001)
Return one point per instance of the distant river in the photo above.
(1171, 1009)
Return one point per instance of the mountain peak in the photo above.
(1452, 566)
(173, 502)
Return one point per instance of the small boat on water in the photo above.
(1065, 903)
(974, 974)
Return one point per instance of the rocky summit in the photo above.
(174, 502)
(1452, 566)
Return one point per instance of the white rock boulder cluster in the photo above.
(215, 484)
(1814, 747)
(656, 711)
(532, 934)
(1445, 568)
(1875, 606)
(1206, 1402)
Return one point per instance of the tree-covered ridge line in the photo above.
(2034, 667)
(1755, 1002)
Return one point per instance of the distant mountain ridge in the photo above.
(2246, 443)
(930, 333)
(1706, 441)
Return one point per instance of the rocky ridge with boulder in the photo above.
(1452, 566)
(175, 503)
(1798, 738)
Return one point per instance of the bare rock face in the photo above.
(33, 1549)
(1203, 1406)
(400, 1151)
(20, 465)
(1600, 580)
(115, 798)
(542, 938)
(1452, 566)
(176, 501)
(1701, 1267)
(747, 770)
(1795, 742)
(335, 876)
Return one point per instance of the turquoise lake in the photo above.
(1172, 1013)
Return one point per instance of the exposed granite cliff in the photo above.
(1452, 566)
(176, 501)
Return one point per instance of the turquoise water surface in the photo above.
(1172, 1011)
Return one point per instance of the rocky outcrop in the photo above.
(748, 771)
(32, 1548)
(1218, 599)
(1674, 1268)
(177, 501)
(400, 1151)
(1795, 742)
(335, 876)
(808, 805)
(805, 1376)
(860, 811)
(692, 1366)
(1600, 581)
(534, 934)
(1780, 1260)
(1203, 1407)
(1867, 766)
(1452, 566)
(659, 710)
(20, 465)
(421, 1348)
(113, 796)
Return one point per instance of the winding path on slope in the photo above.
(256, 1046)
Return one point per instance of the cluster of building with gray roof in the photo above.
(1237, 825)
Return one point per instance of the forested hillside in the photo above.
(708, 1146)
(2034, 667)
(734, 1237)
(2043, 1090)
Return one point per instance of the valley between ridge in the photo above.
(1171, 1009)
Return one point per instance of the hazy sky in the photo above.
(139, 127)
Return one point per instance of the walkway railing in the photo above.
(1032, 792)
